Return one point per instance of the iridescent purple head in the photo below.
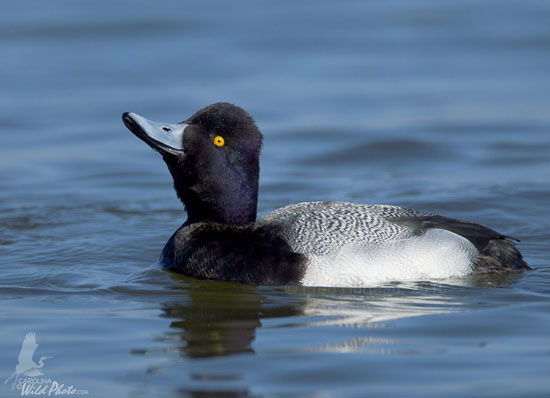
(214, 160)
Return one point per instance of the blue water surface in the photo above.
(435, 105)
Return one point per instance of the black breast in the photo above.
(247, 254)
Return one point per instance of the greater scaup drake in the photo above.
(214, 160)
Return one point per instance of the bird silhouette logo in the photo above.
(26, 366)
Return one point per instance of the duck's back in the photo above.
(322, 228)
(352, 244)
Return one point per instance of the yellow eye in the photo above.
(219, 141)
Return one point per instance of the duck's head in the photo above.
(214, 160)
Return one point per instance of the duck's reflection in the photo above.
(214, 319)
(221, 318)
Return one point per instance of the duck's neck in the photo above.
(228, 198)
(234, 208)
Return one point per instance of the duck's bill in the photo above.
(162, 137)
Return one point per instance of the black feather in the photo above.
(247, 254)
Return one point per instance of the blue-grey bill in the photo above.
(170, 135)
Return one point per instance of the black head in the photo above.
(214, 160)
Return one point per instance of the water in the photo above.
(434, 105)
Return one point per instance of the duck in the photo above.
(214, 160)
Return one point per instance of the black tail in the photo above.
(498, 256)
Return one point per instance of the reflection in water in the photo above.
(211, 325)
(209, 320)
(219, 319)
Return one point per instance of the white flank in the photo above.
(437, 254)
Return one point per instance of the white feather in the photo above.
(437, 254)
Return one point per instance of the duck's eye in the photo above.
(219, 141)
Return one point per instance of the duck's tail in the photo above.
(500, 255)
